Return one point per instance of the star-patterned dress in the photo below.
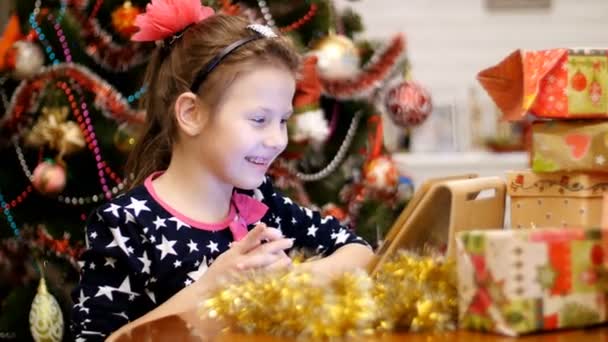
(140, 251)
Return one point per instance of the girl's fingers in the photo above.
(283, 263)
(271, 234)
(257, 260)
(251, 240)
(274, 247)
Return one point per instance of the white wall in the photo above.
(449, 41)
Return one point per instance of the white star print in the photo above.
(81, 300)
(151, 295)
(144, 238)
(326, 218)
(152, 239)
(119, 240)
(99, 217)
(177, 263)
(145, 230)
(130, 249)
(312, 230)
(112, 209)
(342, 236)
(105, 291)
(293, 220)
(122, 314)
(159, 222)
(287, 200)
(278, 220)
(125, 287)
(110, 261)
(129, 217)
(308, 212)
(144, 259)
(320, 247)
(195, 275)
(166, 247)
(193, 246)
(178, 223)
(92, 265)
(187, 282)
(138, 206)
(93, 235)
(212, 246)
(153, 280)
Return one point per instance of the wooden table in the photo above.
(599, 334)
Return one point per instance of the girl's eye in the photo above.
(259, 120)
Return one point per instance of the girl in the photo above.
(219, 96)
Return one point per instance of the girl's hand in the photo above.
(248, 253)
(261, 248)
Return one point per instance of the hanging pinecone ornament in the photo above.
(46, 319)
(408, 104)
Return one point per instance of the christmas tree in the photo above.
(71, 81)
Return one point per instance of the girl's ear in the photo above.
(189, 113)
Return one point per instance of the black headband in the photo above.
(202, 74)
(259, 31)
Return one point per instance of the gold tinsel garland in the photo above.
(411, 292)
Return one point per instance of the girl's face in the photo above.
(248, 130)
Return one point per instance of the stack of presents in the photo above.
(548, 270)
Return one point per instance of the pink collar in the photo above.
(244, 210)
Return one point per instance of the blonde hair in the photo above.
(173, 69)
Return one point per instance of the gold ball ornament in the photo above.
(46, 319)
(338, 57)
(124, 138)
(123, 19)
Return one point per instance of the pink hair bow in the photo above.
(250, 211)
(165, 18)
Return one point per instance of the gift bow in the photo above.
(54, 130)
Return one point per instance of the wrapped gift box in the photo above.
(570, 146)
(556, 199)
(557, 83)
(519, 281)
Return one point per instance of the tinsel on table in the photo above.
(411, 292)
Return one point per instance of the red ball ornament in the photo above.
(408, 104)
(579, 81)
(49, 178)
(381, 174)
(123, 19)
